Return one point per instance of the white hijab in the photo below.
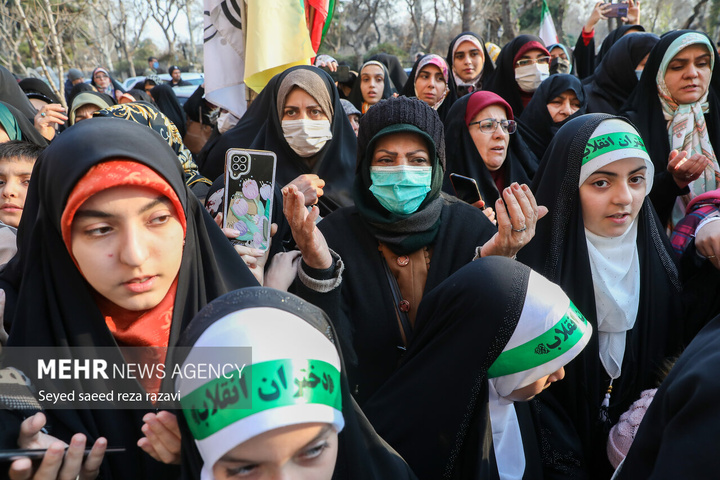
(221, 431)
(549, 333)
(614, 262)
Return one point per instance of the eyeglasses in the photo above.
(529, 61)
(489, 125)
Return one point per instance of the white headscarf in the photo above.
(472, 39)
(310, 357)
(614, 262)
(549, 334)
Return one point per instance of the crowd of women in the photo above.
(433, 326)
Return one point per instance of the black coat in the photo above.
(678, 435)
(363, 305)
(434, 408)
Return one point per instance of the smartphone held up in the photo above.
(249, 188)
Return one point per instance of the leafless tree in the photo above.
(126, 28)
(165, 13)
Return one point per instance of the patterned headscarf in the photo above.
(439, 62)
(686, 124)
(147, 114)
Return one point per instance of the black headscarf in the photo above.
(260, 128)
(356, 97)
(462, 326)
(57, 307)
(536, 124)
(36, 88)
(464, 159)
(140, 95)
(362, 454)
(167, 102)
(614, 79)
(644, 110)
(409, 89)
(11, 93)
(394, 68)
(502, 81)
(573, 437)
(488, 64)
(613, 37)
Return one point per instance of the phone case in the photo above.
(466, 188)
(249, 186)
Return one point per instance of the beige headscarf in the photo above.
(312, 84)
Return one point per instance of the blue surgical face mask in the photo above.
(638, 74)
(156, 65)
(400, 189)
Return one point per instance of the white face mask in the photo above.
(226, 121)
(306, 137)
(531, 76)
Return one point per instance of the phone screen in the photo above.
(249, 188)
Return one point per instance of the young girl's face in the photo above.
(302, 452)
(612, 196)
(128, 243)
(372, 83)
(528, 392)
(468, 61)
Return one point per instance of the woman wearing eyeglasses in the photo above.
(483, 143)
(104, 83)
(521, 67)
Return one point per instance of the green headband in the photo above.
(545, 348)
(610, 142)
(278, 383)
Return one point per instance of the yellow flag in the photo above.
(277, 39)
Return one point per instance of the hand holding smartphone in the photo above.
(249, 189)
(466, 188)
(617, 10)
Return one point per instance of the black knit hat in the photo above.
(400, 110)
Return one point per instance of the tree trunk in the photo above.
(57, 50)
(507, 22)
(466, 15)
(559, 21)
(193, 53)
